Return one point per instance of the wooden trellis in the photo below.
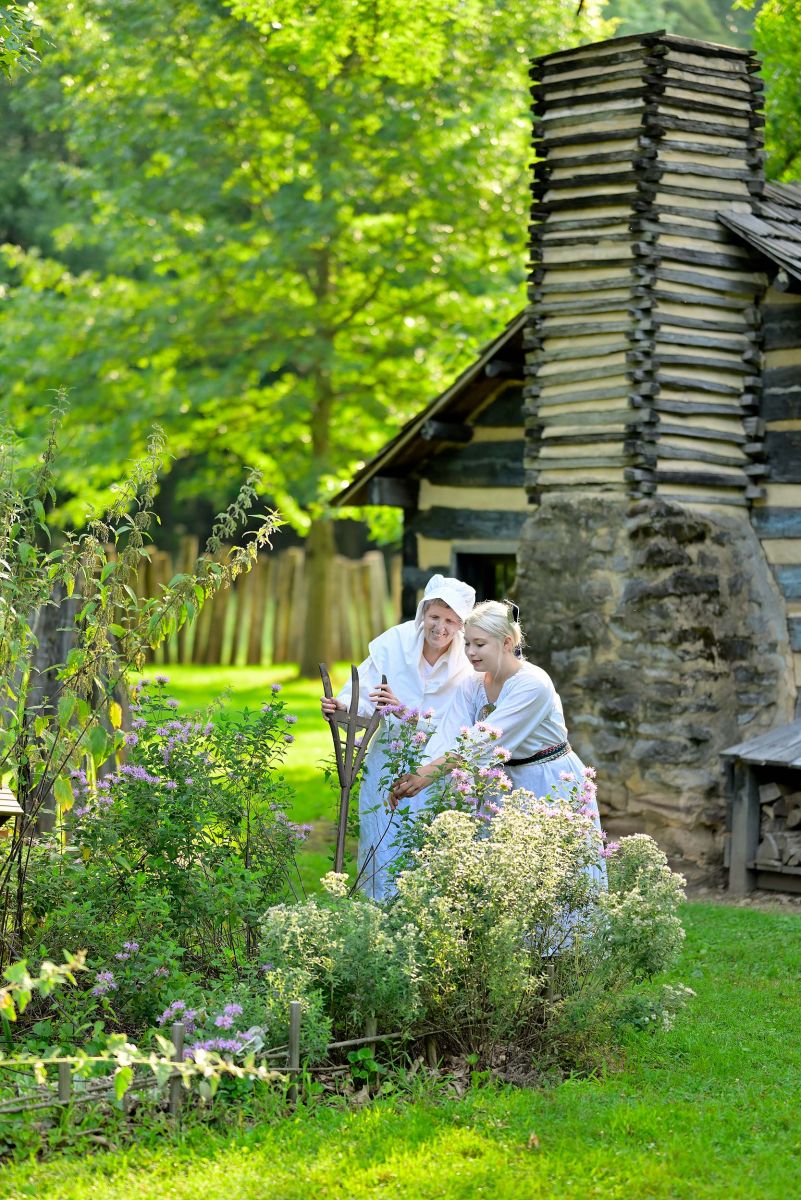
(349, 755)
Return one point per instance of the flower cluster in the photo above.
(104, 983)
(128, 949)
(178, 1011)
(405, 734)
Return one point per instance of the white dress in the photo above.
(529, 714)
(398, 654)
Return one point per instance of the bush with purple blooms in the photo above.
(171, 859)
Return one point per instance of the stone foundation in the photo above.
(667, 640)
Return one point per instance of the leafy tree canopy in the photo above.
(778, 43)
(273, 228)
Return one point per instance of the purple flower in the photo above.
(221, 1045)
(275, 688)
(131, 739)
(171, 703)
(162, 679)
(177, 1011)
(189, 781)
(395, 746)
(610, 849)
(420, 738)
(291, 719)
(171, 785)
(104, 982)
(138, 723)
(265, 968)
(161, 973)
(224, 1021)
(289, 737)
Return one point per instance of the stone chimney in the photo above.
(644, 588)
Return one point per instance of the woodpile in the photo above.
(643, 353)
(779, 845)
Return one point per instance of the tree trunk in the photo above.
(317, 634)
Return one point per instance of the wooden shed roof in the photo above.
(501, 358)
(773, 227)
(779, 747)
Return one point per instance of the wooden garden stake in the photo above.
(293, 1049)
(64, 1082)
(432, 1058)
(176, 1083)
(349, 757)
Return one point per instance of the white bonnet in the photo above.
(461, 597)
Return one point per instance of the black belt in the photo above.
(541, 755)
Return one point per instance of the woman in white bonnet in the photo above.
(425, 663)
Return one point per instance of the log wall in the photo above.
(472, 497)
(641, 577)
(642, 348)
(777, 514)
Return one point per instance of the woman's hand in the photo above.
(408, 785)
(382, 695)
(329, 705)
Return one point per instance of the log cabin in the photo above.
(625, 456)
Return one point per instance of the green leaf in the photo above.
(67, 705)
(62, 790)
(123, 1078)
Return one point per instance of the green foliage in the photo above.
(777, 43)
(72, 624)
(501, 934)
(172, 857)
(360, 960)
(20, 37)
(15, 994)
(721, 21)
(270, 229)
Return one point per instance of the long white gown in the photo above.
(528, 711)
(398, 654)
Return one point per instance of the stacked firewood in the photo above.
(779, 825)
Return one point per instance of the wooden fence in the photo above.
(262, 618)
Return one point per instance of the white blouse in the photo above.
(528, 712)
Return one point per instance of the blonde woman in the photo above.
(514, 696)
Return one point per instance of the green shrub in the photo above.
(361, 960)
(170, 859)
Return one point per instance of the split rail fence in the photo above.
(285, 1062)
(262, 618)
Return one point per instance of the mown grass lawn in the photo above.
(709, 1109)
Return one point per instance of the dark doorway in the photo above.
(492, 575)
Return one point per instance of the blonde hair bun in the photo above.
(496, 618)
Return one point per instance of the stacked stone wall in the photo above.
(666, 636)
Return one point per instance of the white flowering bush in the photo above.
(361, 962)
(636, 927)
(493, 901)
(503, 933)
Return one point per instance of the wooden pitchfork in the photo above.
(349, 756)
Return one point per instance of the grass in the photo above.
(709, 1110)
